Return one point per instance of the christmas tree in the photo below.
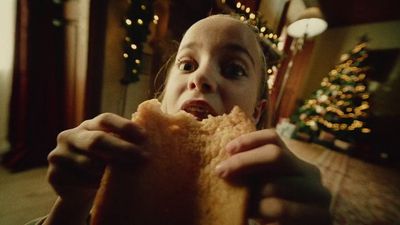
(139, 16)
(340, 107)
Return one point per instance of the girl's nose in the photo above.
(203, 81)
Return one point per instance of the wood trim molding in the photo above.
(96, 52)
(76, 17)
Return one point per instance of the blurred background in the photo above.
(334, 73)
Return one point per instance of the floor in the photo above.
(24, 196)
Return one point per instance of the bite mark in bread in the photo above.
(177, 185)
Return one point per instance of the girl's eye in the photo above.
(233, 71)
(187, 65)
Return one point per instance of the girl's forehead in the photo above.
(220, 25)
(219, 29)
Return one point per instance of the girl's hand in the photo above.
(286, 190)
(78, 161)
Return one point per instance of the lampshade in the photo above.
(310, 23)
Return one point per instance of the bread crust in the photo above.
(177, 185)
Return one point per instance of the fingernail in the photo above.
(231, 147)
(221, 170)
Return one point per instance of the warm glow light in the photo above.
(134, 71)
(133, 46)
(307, 27)
(263, 29)
(248, 9)
(365, 96)
(127, 39)
(143, 7)
(366, 130)
(252, 16)
(242, 18)
(360, 88)
(137, 61)
(140, 21)
(308, 24)
(223, 1)
(126, 55)
(155, 19)
(238, 5)
(128, 22)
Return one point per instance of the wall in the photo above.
(336, 41)
(272, 11)
(7, 31)
(118, 98)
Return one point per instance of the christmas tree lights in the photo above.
(341, 105)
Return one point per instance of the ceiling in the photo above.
(338, 13)
(351, 12)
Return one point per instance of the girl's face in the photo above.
(217, 66)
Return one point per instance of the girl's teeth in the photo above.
(199, 112)
(197, 109)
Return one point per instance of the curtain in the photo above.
(37, 98)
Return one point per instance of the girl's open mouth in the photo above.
(198, 108)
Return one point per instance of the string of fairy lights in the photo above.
(269, 39)
(256, 19)
(139, 15)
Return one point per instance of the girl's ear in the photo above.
(259, 109)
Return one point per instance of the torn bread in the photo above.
(177, 185)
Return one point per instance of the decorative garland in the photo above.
(140, 14)
(269, 39)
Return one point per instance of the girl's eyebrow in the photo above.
(190, 45)
(238, 48)
(226, 47)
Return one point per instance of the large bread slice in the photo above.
(177, 185)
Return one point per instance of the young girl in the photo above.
(219, 64)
